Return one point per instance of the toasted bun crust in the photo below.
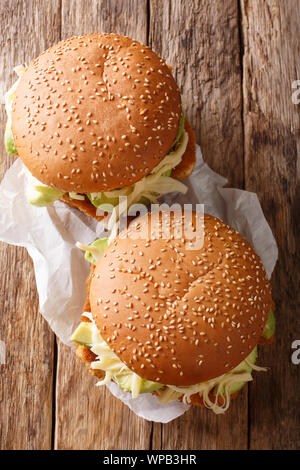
(175, 315)
(95, 113)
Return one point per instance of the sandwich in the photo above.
(175, 318)
(95, 118)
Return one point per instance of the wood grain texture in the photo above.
(272, 148)
(87, 416)
(127, 17)
(201, 43)
(26, 378)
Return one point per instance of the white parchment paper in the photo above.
(50, 233)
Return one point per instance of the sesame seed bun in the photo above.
(176, 315)
(95, 113)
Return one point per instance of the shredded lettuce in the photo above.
(95, 250)
(270, 326)
(180, 131)
(219, 388)
(148, 189)
(112, 197)
(42, 196)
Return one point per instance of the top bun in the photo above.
(176, 315)
(95, 113)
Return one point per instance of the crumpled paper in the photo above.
(50, 233)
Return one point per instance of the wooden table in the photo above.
(235, 63)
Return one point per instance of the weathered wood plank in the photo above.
(199, 428)
(88, 417)
(26, 378)
(201, 43)
(272, 146)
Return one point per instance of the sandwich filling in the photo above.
(215, 393)
(148, 189)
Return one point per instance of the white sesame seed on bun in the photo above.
(95, 113)
(176, 315)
